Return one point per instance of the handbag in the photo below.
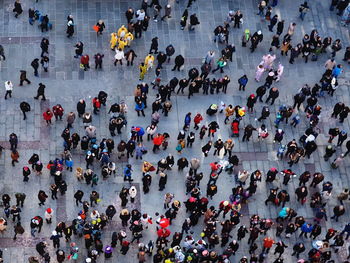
(95, 28)
(264, 135)
(81, 65)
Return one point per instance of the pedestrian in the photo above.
(35, 66)
(44, 45)
(42, 197)
(45, 63)
(273, 95)
(338, 211)
(58, 111)
(167, 12)
(79, 48)
(70, 26)
(154, 46)
(48, 116)
(17, 8)
(193, 22)
(100, 27)
(242, 81)
(18, 229)
(48, 215)
(14, 157)
(273, 22)
(41, 92)
(303, 9)
(70, 119)
(23, 77)
(221, 63)
(98, 60)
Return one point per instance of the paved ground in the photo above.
(66, 83)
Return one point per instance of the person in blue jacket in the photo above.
(242, 81)
(187, 121)
(128, 173)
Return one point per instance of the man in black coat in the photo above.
(179, 61)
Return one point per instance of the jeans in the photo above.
(32, 232)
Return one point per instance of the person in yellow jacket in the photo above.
(129, 37)
(113, 41)
(122, 31)
(143, 70)
(122, 43)
(149, 61)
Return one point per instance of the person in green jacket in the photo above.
(221, 64)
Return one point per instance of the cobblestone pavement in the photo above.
(66, 83)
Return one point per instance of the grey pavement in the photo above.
(67, 83)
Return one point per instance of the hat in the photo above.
(225, 203)
(49, 210)
(54, 233)
(259, 32)
(271, 73)
(88, 260)
(122, 233)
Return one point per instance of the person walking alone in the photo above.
(8, 88)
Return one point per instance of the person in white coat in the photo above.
(132, 193)
(8, 88)
(119, 55)
(280, 70)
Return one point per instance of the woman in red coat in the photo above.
(58, 111)
(47, 116)
(235, 128)
(84, 60)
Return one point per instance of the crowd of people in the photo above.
(223, 231)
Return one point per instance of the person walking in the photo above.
(338, 211)
(18, 229)
(35, 66)
(70, 26)
(42, 196)
(23, 77)
(14, 157)
(167, 12)
(303, 9)
(8, 88)
(41, 92)
(48, 116)
(273, 95)
(17, 8)
(242, 81)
